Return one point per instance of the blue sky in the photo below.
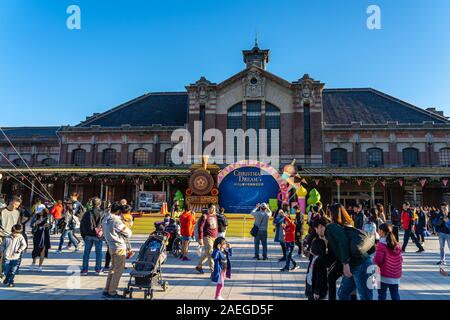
(50, 75)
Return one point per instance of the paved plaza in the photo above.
(250, 280)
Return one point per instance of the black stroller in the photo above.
(173, 235)
(146, 271)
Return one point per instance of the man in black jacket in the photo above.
(222, 223)
(90, 229)
(442, 227)
(359, 216)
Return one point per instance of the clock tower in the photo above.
(256, 57)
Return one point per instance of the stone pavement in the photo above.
(250, 280)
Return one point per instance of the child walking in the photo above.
(289, 239)
(12, 248)
(128, 220)
(370, 227)
(317, 277)
(222, 267)
(388, 257)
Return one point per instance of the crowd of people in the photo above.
(346, 243)
(85, 227)
(337, 242)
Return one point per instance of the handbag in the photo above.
(255, 229)
(98, 229)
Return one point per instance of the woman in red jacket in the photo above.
(388, 257)
(56, 212)
(289, 239)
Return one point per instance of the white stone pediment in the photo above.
(254, 84)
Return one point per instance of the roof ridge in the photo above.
(167, 93)
(33, 127)
(409, 105)
(348, 89)
(126, 104)
(120, 106)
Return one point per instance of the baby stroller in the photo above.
(173, 235)
(146, 271)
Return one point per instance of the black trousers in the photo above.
(395, 231)
(283, 248)
(107, 259)
(410, 234)
(333, 276)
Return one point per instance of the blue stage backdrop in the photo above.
(244, 187)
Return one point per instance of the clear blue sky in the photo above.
(50, 75)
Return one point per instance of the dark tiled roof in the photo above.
(28, 132)
(166, 109)
(343, 106)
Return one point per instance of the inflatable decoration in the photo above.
(314, 197)
(289, 172)
(180, 198)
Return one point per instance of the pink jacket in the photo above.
(389, 261)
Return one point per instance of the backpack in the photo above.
(222, 222)
(438, 221)
(395, 216)
(361, 243)
(196, 229)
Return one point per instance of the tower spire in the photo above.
(256, 39)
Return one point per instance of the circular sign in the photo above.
(241, 189)
(201, 182)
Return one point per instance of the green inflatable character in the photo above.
(180, 198)
(313, 198)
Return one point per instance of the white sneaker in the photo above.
(39, 269)
(58, 252)
(33, 267)
(220, 298)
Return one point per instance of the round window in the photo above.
(254, 81)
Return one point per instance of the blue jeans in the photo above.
(89, 242)
(261, 237)
(393, 289)
(72, 239)
(443, 237)
(10, 268)
(358, 281)
(289, 249)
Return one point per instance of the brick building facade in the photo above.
(352, 144)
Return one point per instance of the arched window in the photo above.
(18, 163)
(411, 157)
(339, 157)
(79, 157)
(109, 156)
(444, 157)
(375, 157)
(234, 121)
(140, 157)
(273, 121)
(49, 162)
(253, 121)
